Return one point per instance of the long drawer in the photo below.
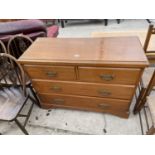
(109, 75)
(86, 89)
(85, 102)
(50, 72)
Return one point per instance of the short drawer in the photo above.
(109, 75)
(85, 89)
(85, 102)
(50, 72)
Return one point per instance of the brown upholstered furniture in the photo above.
(33, 28)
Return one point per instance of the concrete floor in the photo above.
(61, 121)
(84, 29)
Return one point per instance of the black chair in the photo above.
(106, 21)
(64, 21)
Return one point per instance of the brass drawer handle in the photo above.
(104, 92)
(51, 74)
(104, 106)
(107, 77)
(58, 101)
(56, 88)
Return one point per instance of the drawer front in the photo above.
(123, 114)
(50, 72)
(85, 102)
(86, 89)
(109, 75)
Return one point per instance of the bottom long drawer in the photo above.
(113, 106)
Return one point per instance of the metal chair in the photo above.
(151, 56)
(147, 82)
(13, 95)
(106, 21)
(17, 45)
(149, 97)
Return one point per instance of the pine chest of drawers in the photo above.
(94, 74)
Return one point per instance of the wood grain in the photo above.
(116, 75)
(50, 72)
(116, 107)
(82, 101)
(141, 34)
(120, 50)
(84, 88)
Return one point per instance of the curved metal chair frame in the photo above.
(18, 44)
(2, 47)
(13, 96)
(16, 47)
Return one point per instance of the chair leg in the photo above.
(62, 23)
(29, 113)
(106, 22)
(148, 21)
(151, 131)
(141, 105)
(118, 21)
(34, 94)
(21, 127)
(139, 100)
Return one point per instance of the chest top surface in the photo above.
(109, 50)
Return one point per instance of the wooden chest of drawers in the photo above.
(95, 74)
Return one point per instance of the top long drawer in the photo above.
(50, 72)
(109, 75)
